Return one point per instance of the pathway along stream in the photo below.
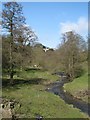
(57, 88)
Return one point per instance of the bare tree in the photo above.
(12, 18)
(71, 50)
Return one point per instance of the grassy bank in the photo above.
(79, 86)
(35, 100)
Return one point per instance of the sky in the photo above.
(50, 19)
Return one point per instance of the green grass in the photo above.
(38, 74)
(79, 84)
(35, 100)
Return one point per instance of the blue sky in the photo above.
(50, 19)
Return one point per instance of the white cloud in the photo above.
(81, 26)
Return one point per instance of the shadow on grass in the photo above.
(36, 81)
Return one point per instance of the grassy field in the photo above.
(33, 74)
(79, 86)
(35, 100)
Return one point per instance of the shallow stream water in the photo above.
(57, 88)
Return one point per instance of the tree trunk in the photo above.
(11, 57)
(11, 64)
(11, 77)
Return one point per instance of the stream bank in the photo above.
(58, 89)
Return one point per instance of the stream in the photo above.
(57, 88)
